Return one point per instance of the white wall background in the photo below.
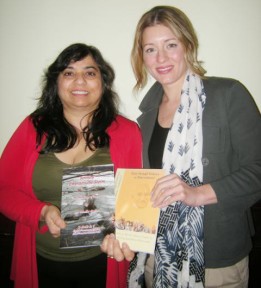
(34, 32)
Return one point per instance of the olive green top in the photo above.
(47, 185)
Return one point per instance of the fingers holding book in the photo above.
(111, 247)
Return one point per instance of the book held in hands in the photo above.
(87, 205)
(136, 221)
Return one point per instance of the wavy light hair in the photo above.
(182, 28)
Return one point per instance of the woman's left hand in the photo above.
(111, 247)
(171, 188)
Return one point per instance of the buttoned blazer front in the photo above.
(231, 164)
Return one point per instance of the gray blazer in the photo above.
(231, 164)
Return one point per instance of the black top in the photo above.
(156, 146)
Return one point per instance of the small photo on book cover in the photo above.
(136, 221)
(87, 205)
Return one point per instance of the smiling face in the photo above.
(163, 55)
(80, 86)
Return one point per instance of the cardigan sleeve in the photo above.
(126, 152)
(125, 143)
(17, 200)
(241, 188)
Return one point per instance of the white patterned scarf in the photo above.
(179, 259)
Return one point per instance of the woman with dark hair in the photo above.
(49, 116)
(75, 124)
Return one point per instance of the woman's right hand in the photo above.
(51, 215)
(172, 188)
(111, 247)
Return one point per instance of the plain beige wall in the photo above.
(33, 32)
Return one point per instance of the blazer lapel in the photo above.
(149, 108)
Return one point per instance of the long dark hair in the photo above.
(48, 118)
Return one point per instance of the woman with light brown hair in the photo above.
(205, 132)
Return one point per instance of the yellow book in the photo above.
(136, 221)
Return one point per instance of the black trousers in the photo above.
(80, 274)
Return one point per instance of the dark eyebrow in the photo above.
(91, 67)
(86, 67)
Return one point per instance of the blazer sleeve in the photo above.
(241, 188)
(17, 200)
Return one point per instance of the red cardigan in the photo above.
(19, 203)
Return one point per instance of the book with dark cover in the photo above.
(87, 205)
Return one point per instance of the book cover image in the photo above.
(136, 221)
(87, 205)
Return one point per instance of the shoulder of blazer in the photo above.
(226, 89)
(221, 84)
